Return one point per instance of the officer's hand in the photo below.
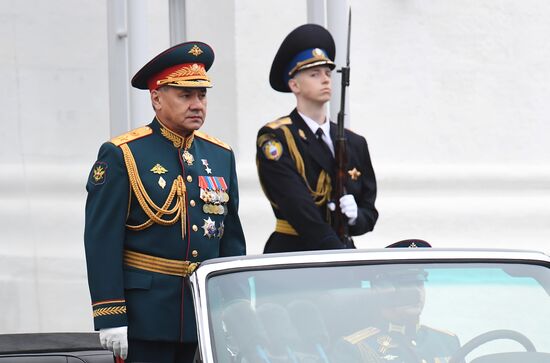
(349, 208)
(116, 340)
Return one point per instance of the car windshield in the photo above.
(389, 312)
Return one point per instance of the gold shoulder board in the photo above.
(361, 335)
(280, 122)
(132, 135)
(212, 139)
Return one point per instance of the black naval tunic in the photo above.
(158, 204)
(394, 344)
(298, 177)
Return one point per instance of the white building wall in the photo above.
(452, 97)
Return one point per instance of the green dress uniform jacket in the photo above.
(298, 177)
(373, 345)
(158, 204)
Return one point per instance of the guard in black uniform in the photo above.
(295, 153)
(161, 199)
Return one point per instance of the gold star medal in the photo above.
(206, 167)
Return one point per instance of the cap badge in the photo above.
(195, 50)
(318, 53)
(158, 169)
(354, 174)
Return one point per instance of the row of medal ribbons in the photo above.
(213, 192)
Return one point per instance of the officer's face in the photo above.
(313, 84)
(403, 301)
(182, 110)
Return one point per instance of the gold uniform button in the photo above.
(194, 253)
(189, 178)
(192, 203)
(195, 228)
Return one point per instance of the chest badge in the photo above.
(162, 182)
(209, 227)
(206, 167)
(354, 174)
(221, 229)
(188, 157)
(159, 169)
(384, 344)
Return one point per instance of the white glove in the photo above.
(349, 208)
(115, 340)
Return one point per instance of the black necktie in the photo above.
(319, 133)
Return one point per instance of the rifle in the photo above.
(341, 157)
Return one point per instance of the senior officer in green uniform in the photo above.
(295, 153)
(161, 199)
(399, 337)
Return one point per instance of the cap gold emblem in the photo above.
(196, 51)
(318, 53)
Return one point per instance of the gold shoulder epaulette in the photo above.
(212, 139)
(442, 331)
(362, 335)
(132, 135)
(280, 122)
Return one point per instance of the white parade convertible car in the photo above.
(400, 305)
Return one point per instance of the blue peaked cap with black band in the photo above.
(309, 45)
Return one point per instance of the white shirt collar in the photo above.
(313, 125)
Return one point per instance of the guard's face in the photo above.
(180, 109)
(313, 84)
